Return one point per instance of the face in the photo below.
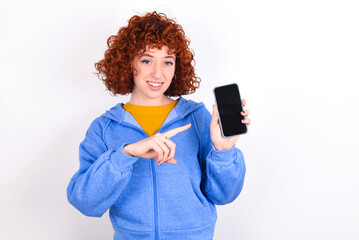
(155, 70)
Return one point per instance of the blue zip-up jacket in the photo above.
(147, 201)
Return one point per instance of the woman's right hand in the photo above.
(158, 146)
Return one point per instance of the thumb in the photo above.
(172, 161)
(214, 115)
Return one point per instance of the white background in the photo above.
(296, 63)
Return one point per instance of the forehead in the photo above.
(163, 51)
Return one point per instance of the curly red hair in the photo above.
(152, 30)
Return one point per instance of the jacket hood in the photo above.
(183, 108)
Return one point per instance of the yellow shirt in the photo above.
(150, 118)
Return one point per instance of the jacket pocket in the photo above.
(179, 207)
(134, 208)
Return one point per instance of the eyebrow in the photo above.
(148, 55)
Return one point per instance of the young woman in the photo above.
(160, 165)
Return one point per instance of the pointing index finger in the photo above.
(175, 131)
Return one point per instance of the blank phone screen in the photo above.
(229, 109)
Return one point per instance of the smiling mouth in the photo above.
(155, 84)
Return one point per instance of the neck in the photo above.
(164, 100)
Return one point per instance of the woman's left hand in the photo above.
(219, 142)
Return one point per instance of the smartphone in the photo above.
(229, 106)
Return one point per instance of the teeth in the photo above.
(154, 84)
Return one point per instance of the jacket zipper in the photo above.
(154, 177)
(155, 198)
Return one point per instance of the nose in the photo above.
(157, 71)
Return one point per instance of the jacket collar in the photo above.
(182, 109)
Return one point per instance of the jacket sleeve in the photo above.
(102, 176)
(223, 170)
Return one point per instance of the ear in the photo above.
(132, 66)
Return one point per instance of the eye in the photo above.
(169, 63)
(146, 61)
